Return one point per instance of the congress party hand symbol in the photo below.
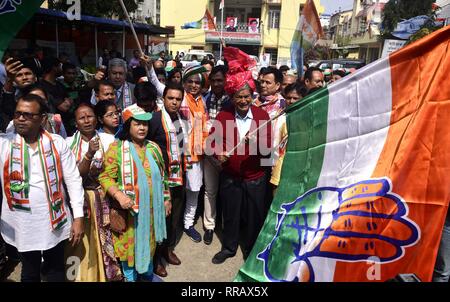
(9, 6)
(350, 224)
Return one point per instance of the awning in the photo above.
(115, 24)
(345, 47)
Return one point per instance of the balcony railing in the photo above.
(240, 27)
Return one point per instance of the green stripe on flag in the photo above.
(307, 126)
(14, 14)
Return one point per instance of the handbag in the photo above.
(117, 217)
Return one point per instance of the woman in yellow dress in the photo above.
(97, 261)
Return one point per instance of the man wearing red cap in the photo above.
(243, 180)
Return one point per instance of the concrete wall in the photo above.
(177, 13)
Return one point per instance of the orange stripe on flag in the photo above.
(416, 155)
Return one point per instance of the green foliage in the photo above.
(396, 11)
(343, 41)
(98, 8)
(421, 33)
(317, 53)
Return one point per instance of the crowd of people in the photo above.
(110, 170)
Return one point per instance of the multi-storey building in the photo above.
(340, 26)
(148, 11)
(355, 32)
(277, 21)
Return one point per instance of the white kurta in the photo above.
(33, 231)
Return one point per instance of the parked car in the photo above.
(313, 63)
(340, 64)
(192, 56)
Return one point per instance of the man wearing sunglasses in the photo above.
(35, 217)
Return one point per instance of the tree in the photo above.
(399, 10)
(318, 52)
(98, 8)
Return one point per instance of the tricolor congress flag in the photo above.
(365, 184)
(307, 33)
(13, 15)
(207, 23)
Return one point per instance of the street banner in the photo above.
(14, 14)
(307, 33)
(364, 187)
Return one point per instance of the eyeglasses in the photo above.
(112, 114)
(26, 115)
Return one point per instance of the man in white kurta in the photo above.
(32, 232)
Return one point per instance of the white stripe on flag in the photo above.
(359, 113)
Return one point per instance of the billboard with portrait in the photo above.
(253, 25)
(231, 24)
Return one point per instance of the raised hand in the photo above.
(12, 67)
(94, 145)
(145, 61)
(99, 75)
(350, 224)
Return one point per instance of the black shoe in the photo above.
(193, 234)
(208, 237)
(220, 257)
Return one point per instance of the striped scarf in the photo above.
(194, 110)
(173, 150)
(76, 145)
(17, 178)
(125, 98)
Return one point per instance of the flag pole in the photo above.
(131, 25)
(221, 33)
(229, 153)
(301, 52)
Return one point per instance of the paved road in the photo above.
(196, 263)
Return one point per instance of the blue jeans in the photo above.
(442, 267)
(131, 274)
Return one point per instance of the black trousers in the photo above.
(54, 260)
(174, 220)
(244, 211)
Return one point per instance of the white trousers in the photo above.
(194, 181)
